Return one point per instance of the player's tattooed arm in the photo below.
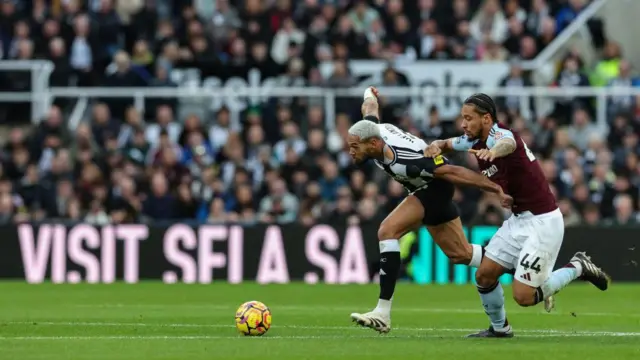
(370, 107)
(502, 148)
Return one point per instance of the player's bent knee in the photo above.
(524, 298)
(388, 231)
(485, 279)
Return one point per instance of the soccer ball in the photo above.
(253, 318)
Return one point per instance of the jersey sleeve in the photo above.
(498, 134)
(425, 167)
(462, 143)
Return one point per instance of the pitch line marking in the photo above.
(351, 308)
(277, 337)
(531, 332)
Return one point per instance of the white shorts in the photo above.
(530, 244)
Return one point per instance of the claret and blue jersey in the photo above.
(518, 173)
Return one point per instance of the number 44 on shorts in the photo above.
(530, 265)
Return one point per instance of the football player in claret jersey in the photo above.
(530, 239)
(430, 200)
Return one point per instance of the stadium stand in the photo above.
(278, 162)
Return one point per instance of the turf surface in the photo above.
(156, 321)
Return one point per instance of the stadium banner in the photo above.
(466, 77)
(261, 253)
(228, 83)
(462, 78)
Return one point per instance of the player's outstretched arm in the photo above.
(439, 167)
(463, 176)
(438, 147)
(460, 143)
(370, 108)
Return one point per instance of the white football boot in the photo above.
(549, 304)
(373, 320)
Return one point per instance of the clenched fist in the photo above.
(432, 151)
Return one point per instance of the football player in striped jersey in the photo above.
(429, 183)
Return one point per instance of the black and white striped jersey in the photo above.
(409, 167)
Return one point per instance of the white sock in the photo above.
(559, 279)
(391, 245)
(384, 306)
(476, 256)
(493, 303)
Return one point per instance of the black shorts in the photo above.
(437, 201)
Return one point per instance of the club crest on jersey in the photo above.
(499, 135)
(490, 171)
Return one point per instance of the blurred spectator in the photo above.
(622, 104)
(568, 13)
(570, 76)
(160, 203)
(547, 32)
(609, 67)
(516, 79)
(287, 42)
(83, 50)
(528, 48)
(490, 23)
(279, 205)
(223, 18)
(571, 217)
(331, 181)
(624, 212)
(362, 16)
(582, 131)
(291, 139)
(164, 123)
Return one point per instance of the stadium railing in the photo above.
(420, 98)
(443, 84)
(39, 73)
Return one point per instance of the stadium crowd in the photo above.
(277, 162)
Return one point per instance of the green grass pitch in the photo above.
(155, 321)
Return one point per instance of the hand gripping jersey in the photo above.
(518, 173)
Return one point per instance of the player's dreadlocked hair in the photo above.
(484, 105)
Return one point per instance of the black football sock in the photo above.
(389, 269)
